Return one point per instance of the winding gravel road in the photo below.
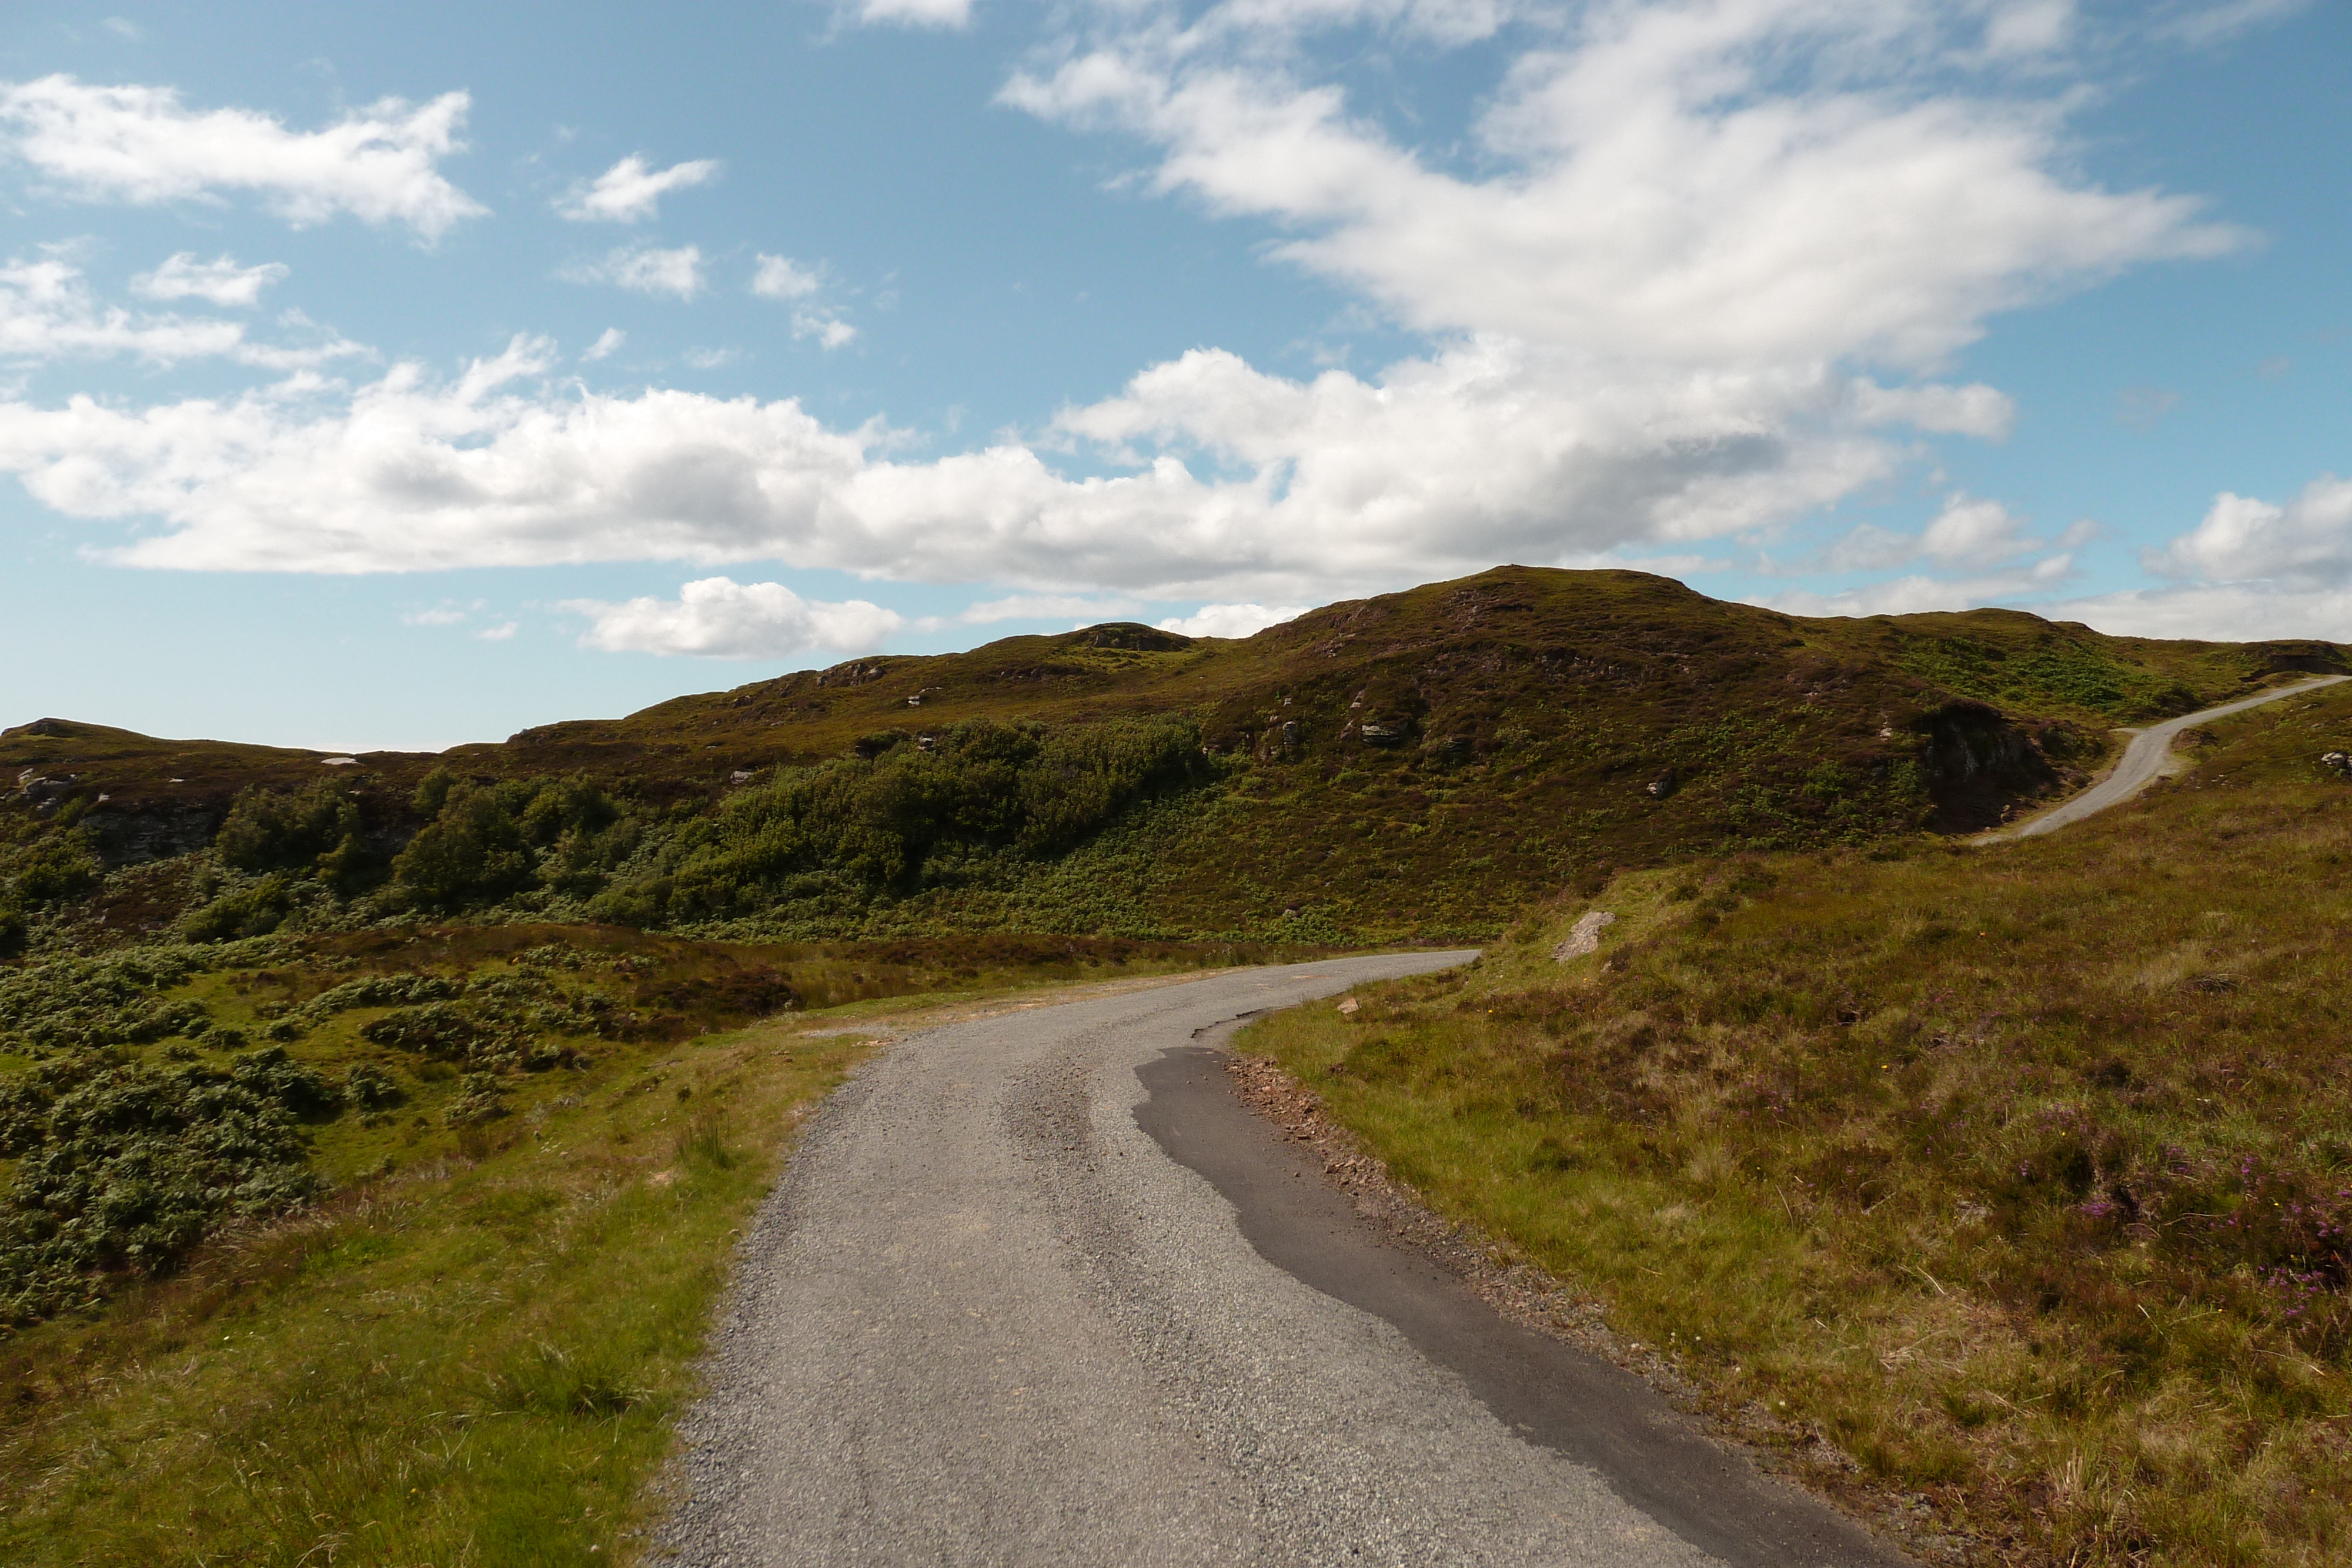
(2144, 757)
(986, 1318)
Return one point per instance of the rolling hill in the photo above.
(1415, 764)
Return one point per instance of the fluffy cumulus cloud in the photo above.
(2304, 544)
(220, 281)
(141, 145)
(647, 269)
(1696, 273)
(1232, 619)
(48, 311)
(631, 190)
(720, 618)
(1736, 182)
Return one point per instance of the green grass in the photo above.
(2020, 1175)
(472, 1349)
(473, 1357)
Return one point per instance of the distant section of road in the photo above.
(2144, 758)
(986, 1319)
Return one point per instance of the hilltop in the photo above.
(1419, 763)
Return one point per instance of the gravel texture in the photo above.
(984, 1319)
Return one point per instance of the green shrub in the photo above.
(435, 1029)
(254, 911)
(480, 1098)
(486, 841)
(60, 868)
(314, 828)
(103, 1002)
(880, 818)
(121, 1169)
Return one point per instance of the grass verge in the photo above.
(472, 1353)
(2013, 1182)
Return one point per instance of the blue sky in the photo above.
(404, 376)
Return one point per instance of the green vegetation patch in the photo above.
(2019, 1175)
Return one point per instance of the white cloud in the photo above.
(1973, 532)
(2233, 612)
(2304, 544)
(503, 632)
(1048, 607)
(1918, 593)
(781, 278)
(646, 269)
(138, 144)
(1739, 182)
(1441, 466)
(710, 358)
(1232, 619)
(606, 343)
(631, 191)
(2199, 22)
(440, 615)
(221, 280)
(830, 331)
(1698, 285)
(915, 12)
(717, 617)
(1969, 531)
(123, 27)
(47, 311)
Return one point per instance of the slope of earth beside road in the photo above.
(985, 1318)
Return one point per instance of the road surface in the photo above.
(2144, 758)
(986, 1318)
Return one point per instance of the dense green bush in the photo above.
(123, 1169)
(254, 911)
(486, 841)
(314, 828)
(60, 867)
(881, 818)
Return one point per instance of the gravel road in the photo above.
(986, 1319)
(2144, 757)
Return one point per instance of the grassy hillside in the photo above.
(1419, 764)
(2017, 1177)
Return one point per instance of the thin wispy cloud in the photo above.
(631, 191)
(220, 281)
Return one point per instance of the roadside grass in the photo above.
(2015, 1181)
(472, 1350)
(473, 1358)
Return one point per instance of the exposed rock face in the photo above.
(1584, 937)
(1979, 762)
(152, 833)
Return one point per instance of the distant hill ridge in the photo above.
(1419, 763)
